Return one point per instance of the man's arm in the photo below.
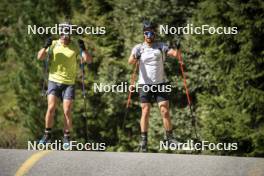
(42, 52)
(135, 55)
(132, 59)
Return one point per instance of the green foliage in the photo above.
(232, 107)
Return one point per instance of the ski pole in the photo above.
(82, 69)
(184, 77)
(132, 82)
(84, 99)
(46, 65)
(187, 92)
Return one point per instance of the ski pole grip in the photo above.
(82, 64)
(178, 45)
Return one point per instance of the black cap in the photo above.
(148, 25)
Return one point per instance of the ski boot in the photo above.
(45, 139)
(66, 141)
(143, 144)
(170, 139)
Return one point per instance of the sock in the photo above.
(47, 131)
(169, 133)
(144, 136)
(66, 133)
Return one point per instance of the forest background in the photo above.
(224, 72)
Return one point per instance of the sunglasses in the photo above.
(149, 33)
(65, 35)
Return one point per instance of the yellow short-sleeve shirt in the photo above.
(63, 63)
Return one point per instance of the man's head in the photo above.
(65, 32)
(149, 30)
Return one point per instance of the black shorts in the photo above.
(62, 91)
(160, 92)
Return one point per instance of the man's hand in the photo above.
(174, 52)
(81, 44)
(42, 52)
(134, 57)
(137, 54)
(48, 42)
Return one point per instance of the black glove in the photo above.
(178, 44)
(81, 44)
(48, 42)
(138, 54)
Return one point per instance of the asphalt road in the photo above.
(124, 164)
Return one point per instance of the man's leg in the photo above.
(67, 106)
(144, 122)
(49, 118)
(145, 99)
(68, 97)
(165, 113)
